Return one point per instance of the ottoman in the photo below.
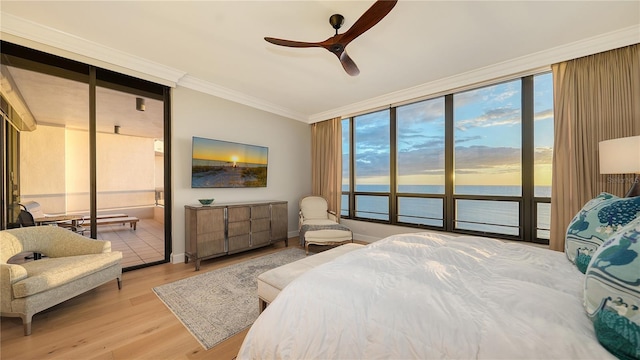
(323, 232)
(271, 282)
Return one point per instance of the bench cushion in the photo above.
(327, 235)
(271, 282)
(105, 216)
(49, 273)
(117, 220)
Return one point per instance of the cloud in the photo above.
(372, 165)
(421, 162)
(372, 132)
(491, 117)
(482, 157)
(420, 152)
(409, 143)
(460, 139)
(488, 95)
(428, 111)
(468, 160)
(543, 155)
(543, 115)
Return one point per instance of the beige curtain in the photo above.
(596, 98)
(326, 162)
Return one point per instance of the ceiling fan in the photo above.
(337, 43)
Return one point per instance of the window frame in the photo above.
(527, 202)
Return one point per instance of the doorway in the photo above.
(95, 148)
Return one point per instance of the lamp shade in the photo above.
(620, 156)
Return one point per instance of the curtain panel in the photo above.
(326, 162)
(596, 98)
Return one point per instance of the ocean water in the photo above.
(500, 217)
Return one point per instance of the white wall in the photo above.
(289, 142)
(54, 166)
(42, 168)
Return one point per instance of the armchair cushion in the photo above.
(51, 241)
(49, 273)
(313, 207)
(318, 222)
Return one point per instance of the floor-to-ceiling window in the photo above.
(420, 163)
(96, 150)
(475, 161)
(488, 158)
(372, 165)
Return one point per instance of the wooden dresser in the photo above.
(227, 228)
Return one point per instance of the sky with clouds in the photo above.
(487, 126)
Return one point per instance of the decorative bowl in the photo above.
(206, 202)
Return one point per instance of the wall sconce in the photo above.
(116, 129)
(621, 156)
(139, 104)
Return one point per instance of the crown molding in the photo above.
(235, 96)
(525, 64)
(89, 52)
(54, 41)
(34, 35)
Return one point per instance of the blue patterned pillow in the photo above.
(612, 292)
(599, 219)
(617, 333)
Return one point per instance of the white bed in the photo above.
(431, 296)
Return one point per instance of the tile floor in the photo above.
(140, 246)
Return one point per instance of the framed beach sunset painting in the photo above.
(224, 164)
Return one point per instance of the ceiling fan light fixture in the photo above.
(336, 21)
(140, 104)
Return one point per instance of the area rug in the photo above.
(220, 303)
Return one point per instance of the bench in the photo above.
(131, 220)
(105, 216)
(271, 282)
(105, 219)
(119, 220)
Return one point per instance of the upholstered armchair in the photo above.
(318, 226)
(71, 265)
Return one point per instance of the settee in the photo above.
(70, 265)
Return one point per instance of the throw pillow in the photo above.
(616, 333)
(612, 292)
(599, 219)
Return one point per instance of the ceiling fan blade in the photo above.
(349, 66)
(290, 43)
(376, 12)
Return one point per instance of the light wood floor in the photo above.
(132, 323)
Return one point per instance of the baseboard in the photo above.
(177, 258)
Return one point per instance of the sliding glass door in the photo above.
(89, 144)
(51, 172)
(129, 172)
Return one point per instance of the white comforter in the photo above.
(427, 296)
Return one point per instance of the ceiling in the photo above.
(419, 48)
(57, 101)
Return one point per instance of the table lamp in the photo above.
(622, 156)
